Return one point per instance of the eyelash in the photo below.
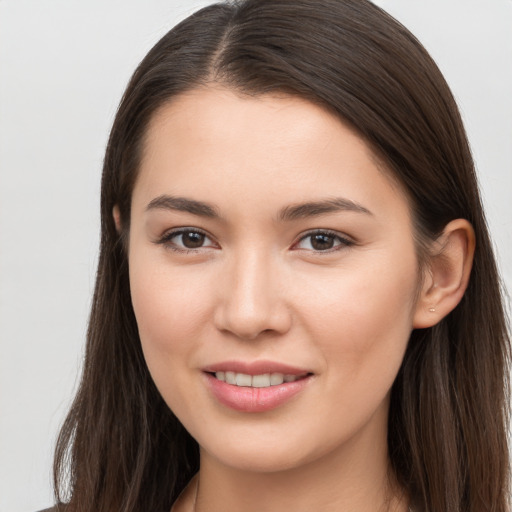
(167, 238)
(343, 241)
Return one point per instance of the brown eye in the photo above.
(323, 241)
(186, 240)
(192, 240)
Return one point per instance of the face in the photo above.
(273, 275)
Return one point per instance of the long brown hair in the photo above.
(121, 448)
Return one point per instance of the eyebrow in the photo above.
(288, 213)
(314, 208)
(183, 204)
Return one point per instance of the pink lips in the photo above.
(254, 399)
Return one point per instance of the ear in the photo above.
(447, 274)
(117, 217)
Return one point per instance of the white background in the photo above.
(63, 67)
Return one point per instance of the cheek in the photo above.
(170, 309)
(363, 319)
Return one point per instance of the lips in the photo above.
(255, 387)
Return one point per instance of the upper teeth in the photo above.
(255, 381)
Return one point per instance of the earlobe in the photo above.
(117, 217)
(447, 275)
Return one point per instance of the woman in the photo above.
(297, 302)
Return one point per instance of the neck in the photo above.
(354, 477)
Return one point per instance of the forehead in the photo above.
(215, 142)
(217, 111)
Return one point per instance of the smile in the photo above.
(255, 387)
(264, 380)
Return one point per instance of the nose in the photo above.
(251, 299)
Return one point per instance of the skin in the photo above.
(258, 289)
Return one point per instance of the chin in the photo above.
(270, 452)
(255, 459)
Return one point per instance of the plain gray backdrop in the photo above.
(63, 67)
